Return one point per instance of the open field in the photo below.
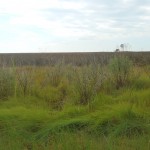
(78, 59)
(92, 101)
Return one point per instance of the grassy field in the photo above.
(71, 107)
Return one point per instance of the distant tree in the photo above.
(125, 47)
(122, 46)
(117, 50)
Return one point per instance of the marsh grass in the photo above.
(67, 107)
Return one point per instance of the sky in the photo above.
(74, 25)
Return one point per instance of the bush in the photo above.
(88, 81)
(6, 83)
(54, 75)
(25, 78)
(120, 68)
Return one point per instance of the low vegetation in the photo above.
(66, 106)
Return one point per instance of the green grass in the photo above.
(52, 116)
(108, 124)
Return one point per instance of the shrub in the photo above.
(147, 70)
(88, 81)
(54, 75)
(6, 83)
(25, 78)
(120, 68)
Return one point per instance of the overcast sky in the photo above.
(73, 25)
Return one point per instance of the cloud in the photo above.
(40, 22)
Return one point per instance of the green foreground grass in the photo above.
(119, 121)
